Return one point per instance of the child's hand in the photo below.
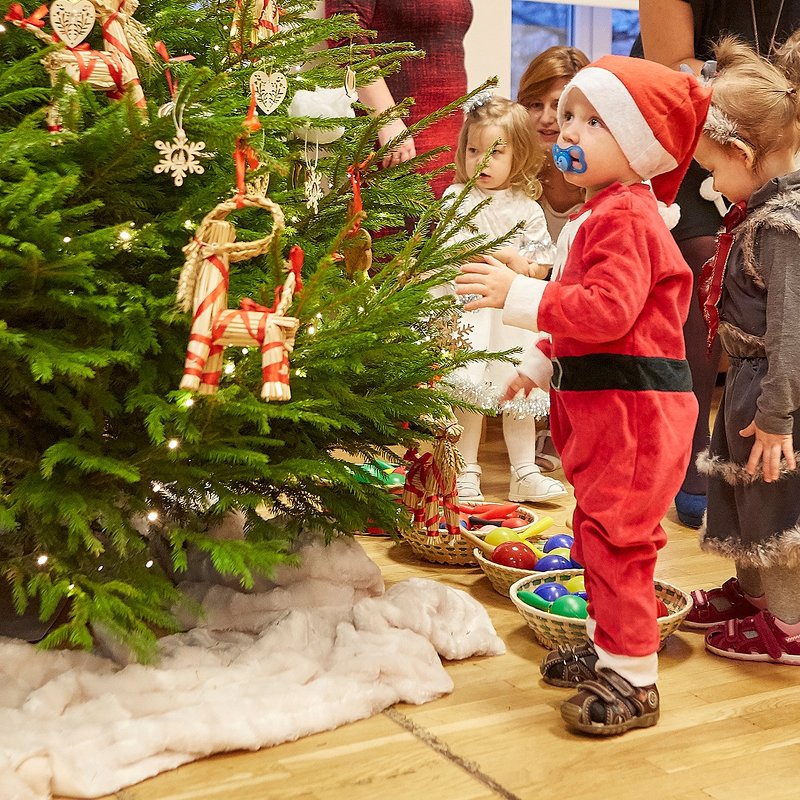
(512, 259)
(520, 383)
(768, 448)
(491, 280)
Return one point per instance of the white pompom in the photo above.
(708, 192)
(670, 214)
(321, 104)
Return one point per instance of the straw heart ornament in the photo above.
(72, 22)
(269, 89)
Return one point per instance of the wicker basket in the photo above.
(500, 576)
(552, 630)
(459, 552)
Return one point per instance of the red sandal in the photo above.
(755, 638)
(704, 614)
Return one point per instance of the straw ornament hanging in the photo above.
(203, 289)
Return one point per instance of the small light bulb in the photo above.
(67, 239)
(361, 309)
(189, 402)
(188, 224)
(42, 560)
(229, 368)
(245, 351)
(157, 487)
(2, 28)
(100, 568)
(125, 236)
(152, 516)
(216, 47)
(311, 330)
(149, 563)
(319, 316)
(173, 444)
(71, 586)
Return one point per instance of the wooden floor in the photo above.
(728, 729)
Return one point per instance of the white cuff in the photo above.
(521, 308)
(637, 670)
(536, 366)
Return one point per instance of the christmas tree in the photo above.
(101, 454)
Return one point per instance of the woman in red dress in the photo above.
(437, 27)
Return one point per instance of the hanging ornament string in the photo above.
(771, 50)
(161, 49)
(244, 156)
(313, 183)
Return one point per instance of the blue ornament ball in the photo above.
(559, 540)
(551, 591)
(549, 563)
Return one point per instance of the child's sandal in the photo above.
(569, 665)
(706, 611)
(609, 705)
(755, 638)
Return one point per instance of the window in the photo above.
(596, 29)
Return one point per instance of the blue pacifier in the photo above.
(562, 157)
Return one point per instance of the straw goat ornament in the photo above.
(111, 69)
(203, 289)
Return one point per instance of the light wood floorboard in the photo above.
(728, 729)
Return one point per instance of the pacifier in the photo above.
(562, 158)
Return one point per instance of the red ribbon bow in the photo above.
(16, 14)
(712, 276)
(161, 49)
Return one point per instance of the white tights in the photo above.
(519, 436)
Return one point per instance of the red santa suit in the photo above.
(622, 407)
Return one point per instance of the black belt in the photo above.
(626, 373)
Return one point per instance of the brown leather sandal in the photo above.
(569, 665)
(609, 705)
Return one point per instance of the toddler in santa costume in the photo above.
(622, 405)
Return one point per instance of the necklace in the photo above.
(774, 29)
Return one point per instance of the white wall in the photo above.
(488, 44)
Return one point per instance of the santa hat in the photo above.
(656, 115)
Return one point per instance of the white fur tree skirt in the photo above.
(324, 647)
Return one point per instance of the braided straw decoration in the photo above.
(200, 248)
(430, 488)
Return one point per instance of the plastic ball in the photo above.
(549, 563)
(575, 564)
(582, 594)
(559, 540)
(515, 522)
(499, 535)
(569, 605)
(564, 552)
(661, 608)
(551, 591)
(575, 584)
(534, 600)
(514, 554)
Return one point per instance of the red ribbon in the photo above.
(161, 49)
(296, 257)
(712, 276)
(16, 15)
(244, 156)
(356, 207)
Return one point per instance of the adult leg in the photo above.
(704, 367)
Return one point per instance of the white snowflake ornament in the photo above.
(180, 157)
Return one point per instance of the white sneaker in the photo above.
(468, 484)
(529, 485)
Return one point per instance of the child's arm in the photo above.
(780, 388)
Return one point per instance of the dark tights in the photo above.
(704, 367)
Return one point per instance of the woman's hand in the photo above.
(491, 280)
(767, 449)
(404, 151)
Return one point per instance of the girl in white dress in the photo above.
(500, 127)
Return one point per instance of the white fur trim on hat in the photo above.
(614, 103)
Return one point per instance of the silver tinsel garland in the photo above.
(488, 396)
